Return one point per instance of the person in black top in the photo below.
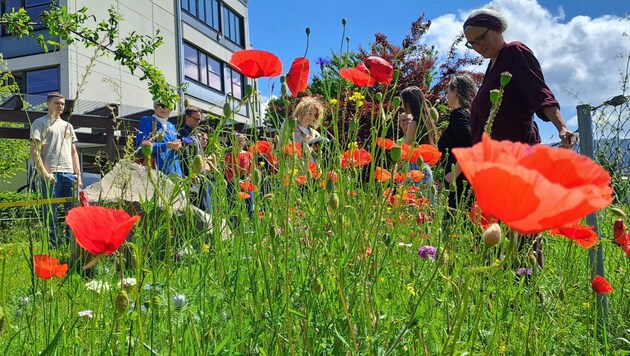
(460, 94)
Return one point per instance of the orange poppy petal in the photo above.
(582, 235)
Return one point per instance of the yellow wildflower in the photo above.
(333, 101)
(411, 290)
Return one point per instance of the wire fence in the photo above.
(611, 142)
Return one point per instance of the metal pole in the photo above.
(595, 254)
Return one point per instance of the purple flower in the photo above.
(322, 61)
(187, 141)
(426, 252)
(523, 270)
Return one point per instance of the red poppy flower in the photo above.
(601, 286)
(83, 199)
(422, 218)
(334, 176)
(46, 267)
(300, 180)
(408, 153)
(533, 188)
(582, 235)
(385, 143)
(261, 147)
(355, 158)
(429, 154)
(382, 175)
(380, 69)
(415, 175)
(244, 195)
(100, 230)
(254, 63)
(399, 177)
(248, 186)
(480, 218)
(292, 149)
(359, 75)
(297, 79)
(314, 170)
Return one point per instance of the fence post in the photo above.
(595, 254)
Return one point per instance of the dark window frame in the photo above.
(224, 68)
(44, 4)
(200, 12)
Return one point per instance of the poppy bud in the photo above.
(420, 161)
(284, 89)
(353, 125)
(396, 74)
(249, 90)
(494, 96)
(343, 21)
(308, 31)
(505, 78)
(147, 150)
(433, 112)
(330, 185)
(317, 286)
(396, 100)
(333, 201)
(492, 236)
(227, 110)
(291, 124)
(121, 302)
(396, 153)
(197, 165)
(620, 213)
(532, 258)
(379, 97)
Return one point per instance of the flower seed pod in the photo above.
(227, 110)
(197, 165)
(494, 96)
(505, 78)
(492, 236)
(433, 112)
(317, 286)
(121, 302)
(147, 150)
(333, 201)
(396, 102)
(249, 90)
(396, 153)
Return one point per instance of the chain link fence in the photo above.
(605, 136)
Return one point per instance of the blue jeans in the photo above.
(62, 188)
(249, 203)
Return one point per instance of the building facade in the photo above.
(199, 37)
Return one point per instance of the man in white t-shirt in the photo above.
(56, 160)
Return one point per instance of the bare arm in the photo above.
(76, 166)
(567, 138)
(410, 133)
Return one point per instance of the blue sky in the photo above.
(279, 26)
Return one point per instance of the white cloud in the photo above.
(580, 56)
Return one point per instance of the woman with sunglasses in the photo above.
(526, 94)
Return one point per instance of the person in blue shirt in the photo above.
(157, 131)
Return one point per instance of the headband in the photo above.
(484, 20)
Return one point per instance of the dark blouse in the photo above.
(525, 95)
(456, 134)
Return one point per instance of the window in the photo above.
(34, 9)
(36, 84)
(207, 11)
(233, 83)
(232, 26)
(207, 70)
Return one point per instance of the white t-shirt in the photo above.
(57, 137)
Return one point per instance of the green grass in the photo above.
(300, 280)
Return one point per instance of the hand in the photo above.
(404, 120)
(175, 145)
(448, 178)
(567, 138)
(79, 183)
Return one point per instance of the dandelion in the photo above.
(88, 314)
(179, 301)
(425, 252)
